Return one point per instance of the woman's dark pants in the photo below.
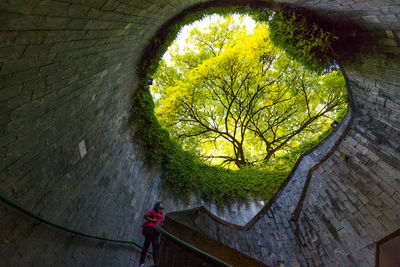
(153, 236)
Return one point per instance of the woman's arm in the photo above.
(149, 219)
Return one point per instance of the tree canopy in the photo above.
(234, 99)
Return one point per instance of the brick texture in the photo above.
(68, 70)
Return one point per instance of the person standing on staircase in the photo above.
(150, 232)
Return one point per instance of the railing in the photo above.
(190, 247)
(186, 226)
(201, 210)
(63, 228)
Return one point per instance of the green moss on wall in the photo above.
(182, 171)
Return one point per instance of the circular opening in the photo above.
(239, 110)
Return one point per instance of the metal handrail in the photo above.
(190, 247)
(45, 221)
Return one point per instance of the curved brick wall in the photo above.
(67, 74)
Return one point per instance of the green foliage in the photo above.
(237, 100)
(184, 172)
(302, 40)
(149, 132)
(168, 34)
(344, 156)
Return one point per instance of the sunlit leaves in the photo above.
(183, 171)
(236, 99)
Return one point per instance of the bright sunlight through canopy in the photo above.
(228, 95)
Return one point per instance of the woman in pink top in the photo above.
(150, 232)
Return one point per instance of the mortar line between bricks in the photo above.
(52, 224)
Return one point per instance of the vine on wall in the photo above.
(182, 171)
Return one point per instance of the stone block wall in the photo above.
(351, 205)
(67, 74)
(68, 70)
(271, 239)
(375, 79)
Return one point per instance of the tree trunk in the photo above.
(268, 156)
(240, 160)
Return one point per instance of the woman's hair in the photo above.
(156, 206)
